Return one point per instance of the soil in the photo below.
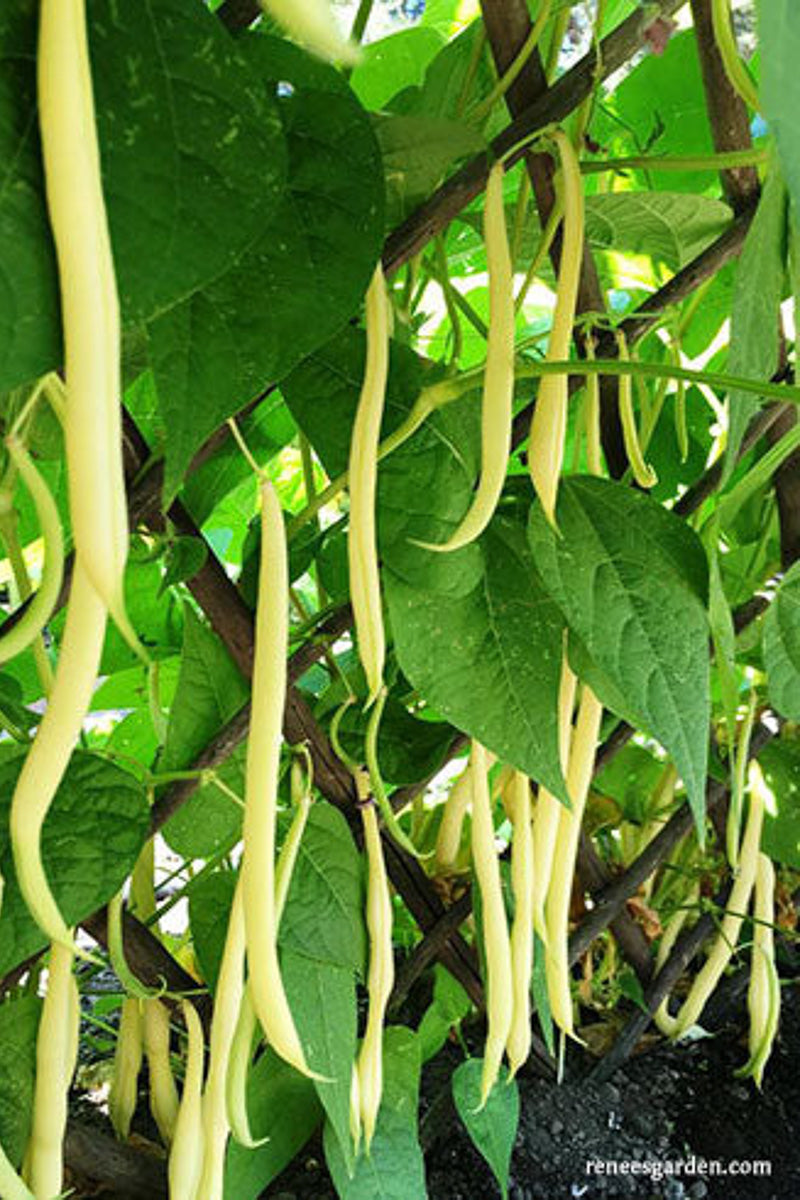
(676, 1106)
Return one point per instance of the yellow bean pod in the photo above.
(662, 1018)
(89, 303)
(127, 1065)
(186, 1152)
(548, 808)
(448, 838)
(362, 548)
(40, 609)
(227, 1004)
(764, 992)
(579, 777)
(549, 424)
(380, 979)
(644, 474)
(241, 1053)
(518, 1046)
(724, 944)
(497, 943)
(164, 1101)
(47, 759)
(56, 1042)
(498, 380)
(261, 788)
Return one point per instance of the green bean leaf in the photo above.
(631, 580)
(492, 1128)
(91, 838)
(394, 1168)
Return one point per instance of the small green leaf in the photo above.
(92, 835)
(492, 1128)
(394, 1169)
(322, 998)
(782, 646)
(449, 1006)
(669, 227)
(393, 63)
(19, 1024)
(631, 579)
(284, 1109)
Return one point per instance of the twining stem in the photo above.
(438, 395)
(725, 160)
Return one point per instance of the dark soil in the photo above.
(675, 1107)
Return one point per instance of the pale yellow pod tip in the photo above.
(312, 24)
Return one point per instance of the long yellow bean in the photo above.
(362, 549)
(498, 379)
(497, 944)
(186, 1152)
(579, 777)
(127, 1065)
(55, 1047)
(380, 979)
(549, 424)
(518, 1045)
(227, 1003)
(719, 956)
(764, 992)
(261, 788)
(163, 1093)
(49, 755)
(548, 808)
(90, 307)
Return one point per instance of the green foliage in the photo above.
(90, 842)
(393, 1170)
(493, 1128)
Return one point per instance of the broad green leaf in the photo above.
(454, 80)
(780, 762)
(669, 227)
(757, 295)
(632, 582)
(181, 121)
(492, 1128)
(417, 151)
(210, 901)
(323, 918)
(394, 1169)
(489, 661)
(298, 283)
(92, 835)
(322, 998)
(393, 63)
(283, 1108)
(779, 44)
(19, 1024)
(660, 108)
(782, 646)
(210, 691)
